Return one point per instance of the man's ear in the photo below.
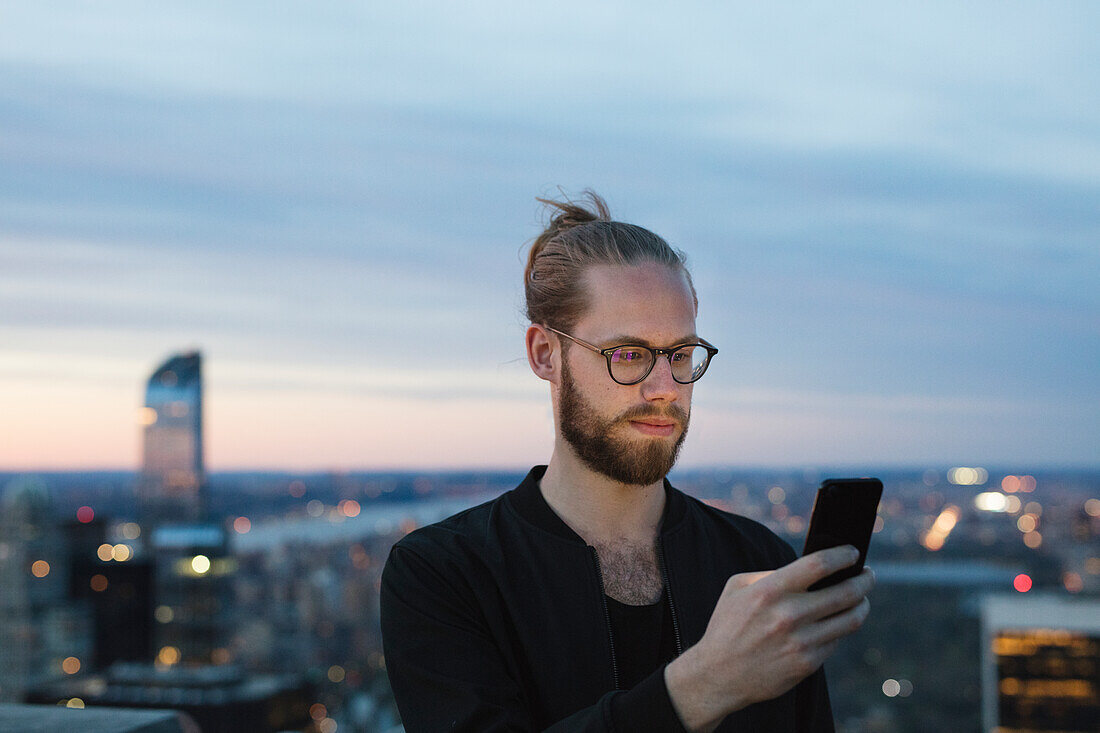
(543, 353)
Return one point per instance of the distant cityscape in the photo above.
(249, 600)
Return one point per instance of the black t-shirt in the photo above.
(643, 637)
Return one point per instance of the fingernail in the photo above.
(853, 553)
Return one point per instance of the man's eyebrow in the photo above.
(622, 338)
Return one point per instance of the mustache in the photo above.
(673, 412)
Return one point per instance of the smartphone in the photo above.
(844, 514)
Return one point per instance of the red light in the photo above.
(1022, 583)
(85, 514)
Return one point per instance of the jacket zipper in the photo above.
(668, 591)
(607, 619)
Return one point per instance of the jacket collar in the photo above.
(527, 500)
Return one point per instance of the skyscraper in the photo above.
(172, 475)
(1040, 664)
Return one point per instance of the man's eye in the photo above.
(628, 355)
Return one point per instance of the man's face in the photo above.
(629, 433)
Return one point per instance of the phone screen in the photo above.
(844, 514)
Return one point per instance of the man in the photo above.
(595, 596)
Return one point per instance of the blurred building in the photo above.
(172, 474)
(194, 594)
(113, 575)
(43, 633)
(1040, 664)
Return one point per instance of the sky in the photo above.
(890, 210)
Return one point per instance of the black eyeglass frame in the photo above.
(655, 352)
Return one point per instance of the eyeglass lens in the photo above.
(631, 363)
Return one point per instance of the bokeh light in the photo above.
(1073, 582)
(146, 416)
(85, 514)
(168, 655)
(1022, 582)
(40, 568)
(967, 476)
(991, 501)
(937, 534)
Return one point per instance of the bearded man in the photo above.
(595, 596)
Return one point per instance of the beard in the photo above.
(638, 462)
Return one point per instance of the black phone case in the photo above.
(843, 514)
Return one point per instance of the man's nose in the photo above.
(659, 384)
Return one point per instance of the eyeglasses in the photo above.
(632, 363)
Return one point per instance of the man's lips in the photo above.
(654, 426)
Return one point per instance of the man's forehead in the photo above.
(642, 340)
(649, 303)
(646, 275)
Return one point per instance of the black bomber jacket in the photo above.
(495, 620)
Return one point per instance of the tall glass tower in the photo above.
(172, 475)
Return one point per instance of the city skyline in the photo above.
(890, 216)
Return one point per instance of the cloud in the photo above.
(896, 202)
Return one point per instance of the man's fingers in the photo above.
(840, 597)
(805, 571)
(838, 626)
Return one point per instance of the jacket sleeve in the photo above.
(448, 673)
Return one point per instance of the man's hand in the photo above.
(767, 633)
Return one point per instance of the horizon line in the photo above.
(886, 466)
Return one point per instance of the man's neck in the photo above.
(597, 508)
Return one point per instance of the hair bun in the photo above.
(581, 234)
(571, 214)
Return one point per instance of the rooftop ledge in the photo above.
(52, 718)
